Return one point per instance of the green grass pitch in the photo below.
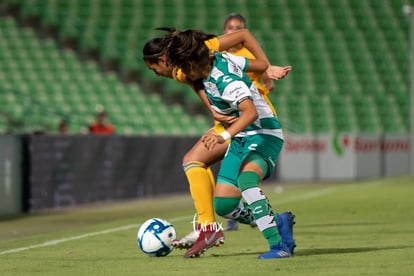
(354, 228)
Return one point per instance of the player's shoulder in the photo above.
(213, 44)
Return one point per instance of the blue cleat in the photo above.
(232, 225)
(285, 222)
(277, 251)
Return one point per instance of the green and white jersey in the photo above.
(228, 85)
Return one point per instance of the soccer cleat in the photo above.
(277, 251)
(210, 235)
(232, 225)
(187, 241)
(285, 222)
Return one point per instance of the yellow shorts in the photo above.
(218, 127)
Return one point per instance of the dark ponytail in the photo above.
(188, 46)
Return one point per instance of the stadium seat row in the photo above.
(350, 57)
(41, 85)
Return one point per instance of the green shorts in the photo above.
(266, 148)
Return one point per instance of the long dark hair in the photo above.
(157, 46)
(189, 46)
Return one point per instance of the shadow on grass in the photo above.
(342, 224)
(322, 251)
(325, 251)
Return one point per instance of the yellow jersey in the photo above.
(214, 45)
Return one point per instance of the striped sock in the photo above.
(259, 205)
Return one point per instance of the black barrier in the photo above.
(73, 170)
(10, 175)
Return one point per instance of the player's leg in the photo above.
(196, 164)
(270, 147)
(228, 205)
(249, 181)
(257, 165)
(211, 235)
(227, 195)
(244, 169)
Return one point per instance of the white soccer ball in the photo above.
(155, 237)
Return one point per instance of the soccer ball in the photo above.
(155, 237)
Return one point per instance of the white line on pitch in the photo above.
(87, 235)
(130, 226)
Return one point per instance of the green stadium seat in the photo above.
(31, 8)
(278, 16)
(51, 100)
(318, 112)
(337, 48)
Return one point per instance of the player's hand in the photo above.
(224, 119)
(211, 140)
(277, 72)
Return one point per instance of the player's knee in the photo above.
(224, 206)
(188, 157)
(193, 165)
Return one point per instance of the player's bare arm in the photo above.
(226, 120)
(247, 117)
(257, 66)
(242, 37)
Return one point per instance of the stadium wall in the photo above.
(343, 157)
(10, 175)
(54, 171)
(74, 170)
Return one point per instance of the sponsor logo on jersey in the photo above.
(216, 73)
(211, 88)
